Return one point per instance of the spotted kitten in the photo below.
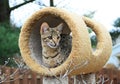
(54, 45)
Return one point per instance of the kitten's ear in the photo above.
(60, 27)
(44, 28)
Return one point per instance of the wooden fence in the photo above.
(22, 76)
(19, 76)
(109, 76)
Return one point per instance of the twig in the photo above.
(111, 82)
(83, 79)
(102, 80)
(74, 68)
(56, 76)
(4, 77)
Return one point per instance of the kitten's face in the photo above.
(51, 36)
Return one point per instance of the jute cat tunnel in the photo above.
(82, 59)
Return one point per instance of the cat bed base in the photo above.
(82, 59)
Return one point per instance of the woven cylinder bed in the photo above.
(82, 59)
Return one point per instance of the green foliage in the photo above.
(93, 41)
(115, 33)
(117, 22)
(8, 42)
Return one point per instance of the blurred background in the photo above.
(13, 14)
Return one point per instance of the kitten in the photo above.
(54, 50)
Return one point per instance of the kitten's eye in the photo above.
(44, 40)
(50, 37)
(58, 37)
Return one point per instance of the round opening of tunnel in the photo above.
(35, 37)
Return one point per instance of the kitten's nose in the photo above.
(53, 44)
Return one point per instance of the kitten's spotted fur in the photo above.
(55, 45)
